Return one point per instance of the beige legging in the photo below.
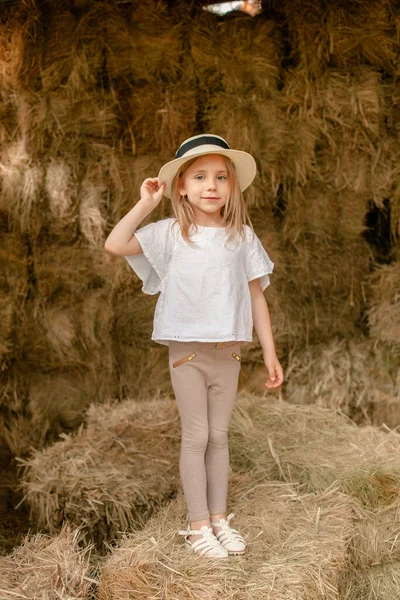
(205, 378)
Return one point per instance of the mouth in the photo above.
(211, 198)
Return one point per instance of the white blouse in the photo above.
(204, 287)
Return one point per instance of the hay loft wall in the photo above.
(94, 99)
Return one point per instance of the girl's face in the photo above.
(206, 184)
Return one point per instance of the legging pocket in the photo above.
(181, 361)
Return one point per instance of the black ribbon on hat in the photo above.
(201, 141)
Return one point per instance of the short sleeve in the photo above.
(151, 266)
(257, 262)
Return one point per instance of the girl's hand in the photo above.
(151, 192)
(275, 372)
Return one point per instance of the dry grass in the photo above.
(358, 376)
(335, 132)
(47, 568)
(315, 447)
(325, 285)
(138, 44)
(13, 290)
(381, 582)
(384, 304)
(109, 476)
(112, 475)
(239, 53)
(375, 539)
(61, 187)
(22, 186)
(70, 270)
(159, 116)
(253, 123)
(153, 561)
(341, 34)
(93, 205)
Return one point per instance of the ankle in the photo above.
(215, 518)
(196, 525)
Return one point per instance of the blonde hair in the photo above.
(234, 213)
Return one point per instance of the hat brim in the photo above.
(245, 166)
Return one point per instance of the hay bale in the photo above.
(108, 482)
(25, 33)
(61, 186)
(13, 291)
(341, 115)
(126, 174)
(238, 53)
(384, 304)
(134, 52)
(92, 209)
(70, 270)
(37, 406)
(154, 560)
(357, 375)
(47, 568)
(341, 34)
(22, 188)
(325, 298)
(109, 476)
(315, 447)
(375, 539)
(159, 117)
(380, 583)
(252, 122)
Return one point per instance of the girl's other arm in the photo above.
(121, 240)
(262, 325)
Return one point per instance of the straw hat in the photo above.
(208, 143)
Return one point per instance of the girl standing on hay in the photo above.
(211, 270)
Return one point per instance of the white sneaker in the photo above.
(229, 538)
(207, 545)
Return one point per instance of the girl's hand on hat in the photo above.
(275, 372)
(151, 192)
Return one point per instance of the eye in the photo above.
(222, 177)
(199, 176)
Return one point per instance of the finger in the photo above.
(272, 374)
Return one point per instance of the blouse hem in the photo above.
(149, 257)
(169, 339)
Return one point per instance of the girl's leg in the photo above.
(221, 400)
(191, 397)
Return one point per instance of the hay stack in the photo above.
(13, 290)
(154, 561)
(61, 187)
(358, 376)
(343, 114)
(107, 481)
(160, 117)
(22, 189)
(315, 447)
(252, 122)
(111, 475)
(384, 304)
(235, 53)
(341, 34)
(134, 51)
(379, 583)
(47, 568)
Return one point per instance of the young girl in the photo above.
(211, 270)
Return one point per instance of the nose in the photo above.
(211, 185)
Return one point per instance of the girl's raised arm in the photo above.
(121, 240)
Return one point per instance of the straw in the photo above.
(47, 568)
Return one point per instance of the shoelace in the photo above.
(224, 524)
(211, 539)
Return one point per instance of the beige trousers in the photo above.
(204, 377)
